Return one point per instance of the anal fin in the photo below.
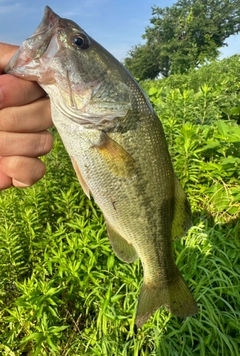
(182, 219)
(125, 251)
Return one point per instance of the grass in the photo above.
(62, 289)
(63, 292)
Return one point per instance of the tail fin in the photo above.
(175, 296)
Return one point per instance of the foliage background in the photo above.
(186, 35)
(62, 290)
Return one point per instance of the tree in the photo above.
(184, 36)
(145, 63)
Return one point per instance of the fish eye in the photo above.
(81, 41)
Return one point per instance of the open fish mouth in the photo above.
(37, 45)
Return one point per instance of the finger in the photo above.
(5, 181)
(15, 91)
(18, 184)
(24, 171)
(7, 51)
(25, 144)
(33, 117)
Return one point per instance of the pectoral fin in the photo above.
(182, 220)
(80, 178)
(118, 160)
(125, 251)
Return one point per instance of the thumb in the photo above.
(7, 51)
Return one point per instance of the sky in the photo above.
(116, 24)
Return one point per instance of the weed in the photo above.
(64, 292)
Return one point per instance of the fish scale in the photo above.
(119, 152)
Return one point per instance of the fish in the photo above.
(119, 151)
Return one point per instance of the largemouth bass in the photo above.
(119, 152)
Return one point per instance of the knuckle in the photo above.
(10, 165)
(45, 143)
(23, 170)
(36, 172)
(2, 95)
(11, 120)
(5, 146)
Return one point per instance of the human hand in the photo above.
(24, 119)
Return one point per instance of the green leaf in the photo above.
(34, 336)
(211, 146)
(223, 128)
(233, 210)
(57, 329)
(235, 110)
(152, 91)
(230, 162)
